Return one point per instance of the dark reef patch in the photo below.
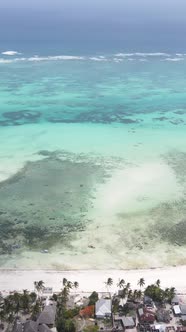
(176, 121)
(161, 118)
(174, 234)
(180, 112)
(46, 202)
(20, 117)
(94, 117)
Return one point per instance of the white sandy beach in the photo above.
(92, 280)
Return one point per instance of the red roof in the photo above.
(146, 315)
(87, 312)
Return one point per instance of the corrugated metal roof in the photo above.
(103, 307)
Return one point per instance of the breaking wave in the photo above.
(174, 59)
(117, 58)
(141, 54)
(10, 53)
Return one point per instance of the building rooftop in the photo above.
(103, 307)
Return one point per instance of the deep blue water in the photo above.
(53, 33)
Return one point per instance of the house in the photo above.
(175, 300)
(176, 309)
(183, 309)
(163, 315)
(146, 316)
(30, 326)
(147, 301)
(87, 312)
(48, 315)
(160, 328)
(43, 328)
(127, 322)
(103, 308)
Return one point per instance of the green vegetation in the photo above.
(93, 298)
(18, 303)
(158, 294)
(65, 325)
(64, 321)
(25, 303)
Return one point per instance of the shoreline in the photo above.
(90, 280)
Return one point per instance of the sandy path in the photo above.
(92, 279)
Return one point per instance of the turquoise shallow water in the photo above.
(113, 125)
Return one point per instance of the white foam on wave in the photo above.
(10, 53)
(38, 58)
(98, 59)
(124, 54)
(142, 54)
(174, 59)
(117, 58)
(55, 58)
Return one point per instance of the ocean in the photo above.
(92, 159)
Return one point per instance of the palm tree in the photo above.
(130, 293)
(121, 283)
(169, 293)
(2, 318)
(135, 294)
(33, 297)
(109, 283)
(123, 294)
(69, 284)
(65, 282)
(128, 285)
(16, 302)
(141, 282)
(64, 295)
(25, 300)
(139, 294)
(36, 309)
(172, 293)
(158, 282)
(76, 285)
(39, 286)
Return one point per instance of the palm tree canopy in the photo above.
(141, 282)
(65, 281)
(41, 284)
(109, 282)
(121, 283)
(128, 285)
(69, 284)
(76, 284)
(158, 282)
